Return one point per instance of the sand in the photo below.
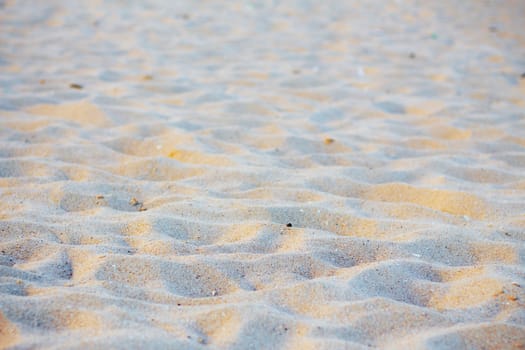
(262, 174)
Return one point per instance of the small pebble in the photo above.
(133, 201)
(99, 196)
(328, 140)
(76, 86)
(289, 224)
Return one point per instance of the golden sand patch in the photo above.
(146, 245)
(312, 95)
(358, 227)
(138, 228)
(451, 202)
(292, 240)
(9, 333)
(424, 143)
(457, 274)
(466, 293)
(195, 157)
(451, 133)
(173, 101)
(84, 264)
(83, 112)
(240, 233)
(425, 108)
(221, 326)
(258, 75)
(439, 77)
(490, 253)
(336, 46)
(496, 59)
(80, 319)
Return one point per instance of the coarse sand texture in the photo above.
(274, 174)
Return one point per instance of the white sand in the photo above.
(147, 208)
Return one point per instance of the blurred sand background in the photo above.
(262, 174)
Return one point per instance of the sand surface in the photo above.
(262, 174)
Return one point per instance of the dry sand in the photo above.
(153, 153)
